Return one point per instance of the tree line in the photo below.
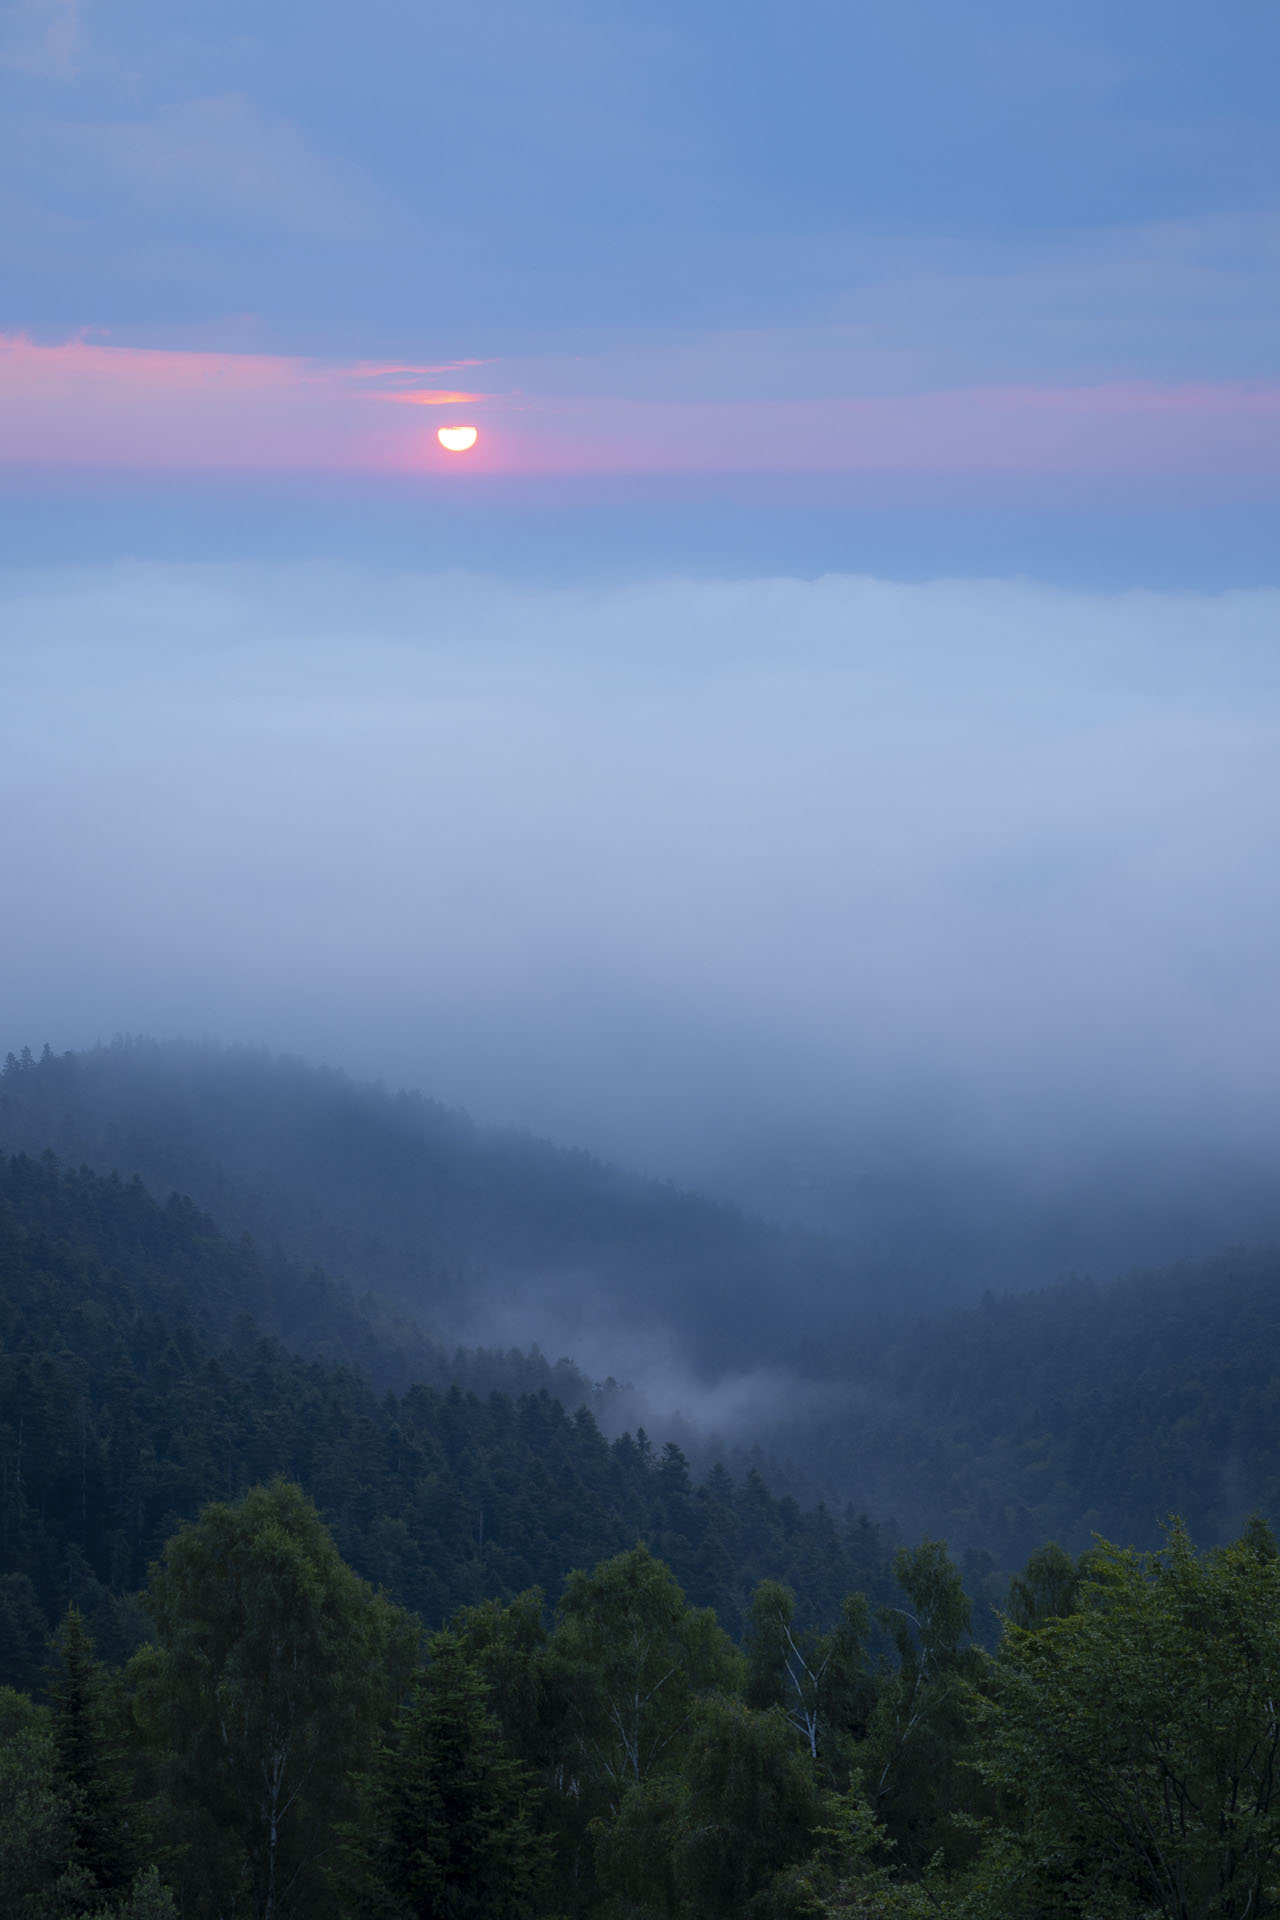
(290, 1742)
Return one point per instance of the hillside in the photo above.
(136, 1385)
(1054, 1414)
(487, 1235)
(1038, 1415)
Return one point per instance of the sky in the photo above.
(836, 286)
(840, 685)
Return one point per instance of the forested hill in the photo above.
(486, 1234)
(1030, 1417)
(185, 1272)
(1053, 1414)
(136, 1385)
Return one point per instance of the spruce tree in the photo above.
(89, 1763)
(451, 1834)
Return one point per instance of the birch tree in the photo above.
(920, 1730)
(819, 1680)
(1136, 1741)
(640, 1657)
(274, 1668)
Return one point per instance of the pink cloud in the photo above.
(85, 403)
(431, 397)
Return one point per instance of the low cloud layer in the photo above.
(667, 870)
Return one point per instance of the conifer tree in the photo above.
(90, 1769)
(450, 1828)
(33, 1818)
(24, 1634)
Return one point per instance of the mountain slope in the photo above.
(1053, 1414)
(487, 1235)
(1037, 1415)
(135, 1387)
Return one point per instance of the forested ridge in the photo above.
(137, 1383)
(1048, 1414)
(390, 1191)
(1074, 1409)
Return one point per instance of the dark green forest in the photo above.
(136, 1384)
(289, 1741)
(1054, 1413)
(306, 1609)
(1075, 1409)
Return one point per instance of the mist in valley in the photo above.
(926, 932)
(811, 893)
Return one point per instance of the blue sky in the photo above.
(620, 209)
(436, 180)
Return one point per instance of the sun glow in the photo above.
(456, 439)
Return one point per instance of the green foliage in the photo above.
(721, 1836)
(449, 1823)
(1048, 1587)
(1076, 1409)
(1030, 1417)
(147, 1899)
(510, 1648)
(23, 1634)
(629, 1662)
(1136, 1740)
(274, 1669)
(51, 1786)
(34, 1832)
(1117, 1760)
(636, 1851)
(754, 1805)
(849, 1878)
(638, 1657)
(921, 1730)
(90, 1764)
(819, 1680)
(395, 1192)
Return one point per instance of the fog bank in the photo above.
(770, 883)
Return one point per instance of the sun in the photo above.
(457, 439)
